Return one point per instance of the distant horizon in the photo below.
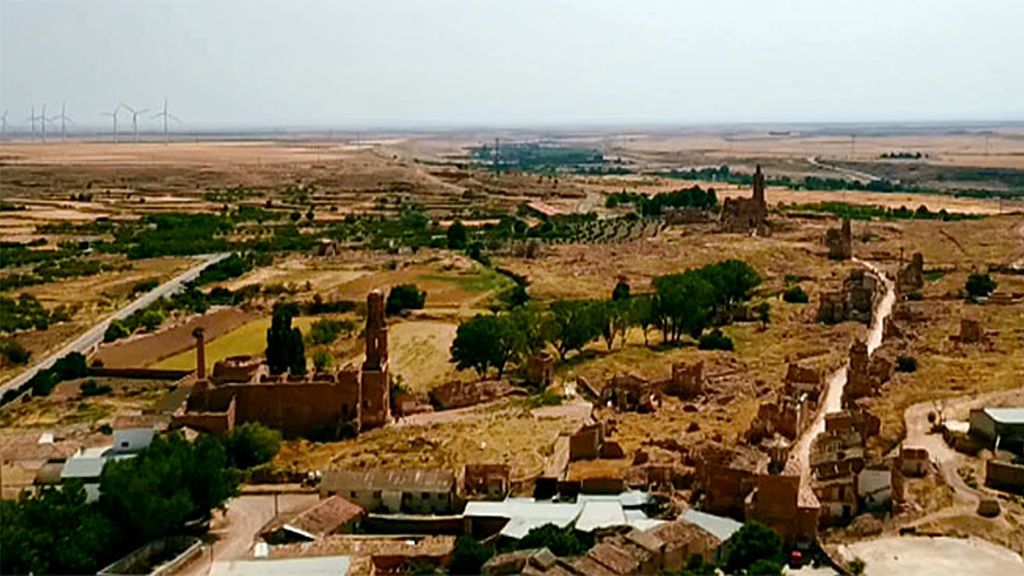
(394, 64)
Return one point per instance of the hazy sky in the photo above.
(365, 63)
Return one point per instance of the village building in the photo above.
(856, 301)
(726, 476)
(687, 380)
(540, 370)
(393, 490)
(999, 428)
(913, 462)
(489, 481)
(460, 394)
(332, 515)
(784, 504)
(314, 566)
(747, 215)
(322, 404)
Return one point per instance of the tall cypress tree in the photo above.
(285, 349)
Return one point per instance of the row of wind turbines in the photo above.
(40, 121)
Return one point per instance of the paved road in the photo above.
(847, 171)
(94, 336)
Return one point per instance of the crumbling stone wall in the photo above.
(687, 380)
(629, 393)
(910, 278)
(861, 290)
(746, 215)
(971, 331)
(840, 241)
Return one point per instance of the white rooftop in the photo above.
(719, 526)
(588, 513)
(319, 566)
(1006, 415)
(83, 467)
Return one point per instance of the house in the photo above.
(318, 566)
(913, 461)
(490, 481)
(86, 467)
(1001, 428)
(332, 515)
(393, 490)
(133, 433)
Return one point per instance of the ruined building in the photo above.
(866, 373)
(840, 241)
(910, 278)
(687, 380)
(629, 393)
(784, 504)
(856, 301)
(747, 215)
(324, 404)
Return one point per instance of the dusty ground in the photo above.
(917, 556)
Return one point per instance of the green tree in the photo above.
(14, 352)
(795, 295)
(325, 331)
(715, 340)
(404, 297)
(751, 543)
(621, 290)
(468, 556)
(572, 324)
(641, 313)
(764, 314)
(733, 280)
(683, 304)
(55, 532)
(115, 331)
(561, 542)
(251, 444)
(286, 351)
(980, 285)
(322, 360)
(171, 481)
(457, 235)
(485, 341)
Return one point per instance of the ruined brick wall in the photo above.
(488, 480)
(840, 241)
(687, 380)
(1004, 476)
(585, 444)
(540, 370)
(971, 331)
(216, 423)
(911, 277)
(776, 504)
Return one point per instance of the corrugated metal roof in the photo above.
(600, 515)
(83, 467)
(1006, 415)
(720, 526)
(404, 479)
(318, 566)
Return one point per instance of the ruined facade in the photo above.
(840, 241)
(861, 290)
(726, 476)
(687, 380)
(971, 331)
(630, 393)
(540, 369)
(488, 481)
(781, 503)
(459, 394)
(910, 278)
(322, 404)
(866, 373)
(747, 215)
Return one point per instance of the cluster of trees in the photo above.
(141, 498)
(404, 297)
(682, 304)
(67, 367)
(26, 312)
(234, 266)
(866, 212)
(48, 265)
(655, 205)
(251, 444)
(532, 157)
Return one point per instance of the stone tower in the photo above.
(200, 352)
(375, 388)
(759, 188)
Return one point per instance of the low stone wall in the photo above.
(141, 560)
(140, 373)
(1004, 476)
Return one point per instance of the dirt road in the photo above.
(837, 380)
(232, 533)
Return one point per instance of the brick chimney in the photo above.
(200, 353)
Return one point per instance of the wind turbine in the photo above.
(113, 116)
(64, 119)
(165, 114)
(3, 119)
(32, 121)
(135, 119)
(42, 121)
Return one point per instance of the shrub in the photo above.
(145, 286)
(468, 556)
(457, 235)
(326, 331)
(715, 340)
(14, 352)
(561, 542)
(115, 331)
(751, 546)
(915, 296)
(91, 388)
(322, 360)
(251, 444)
(404, 297)
(906, 364)
(795, 295)
(980, 285)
